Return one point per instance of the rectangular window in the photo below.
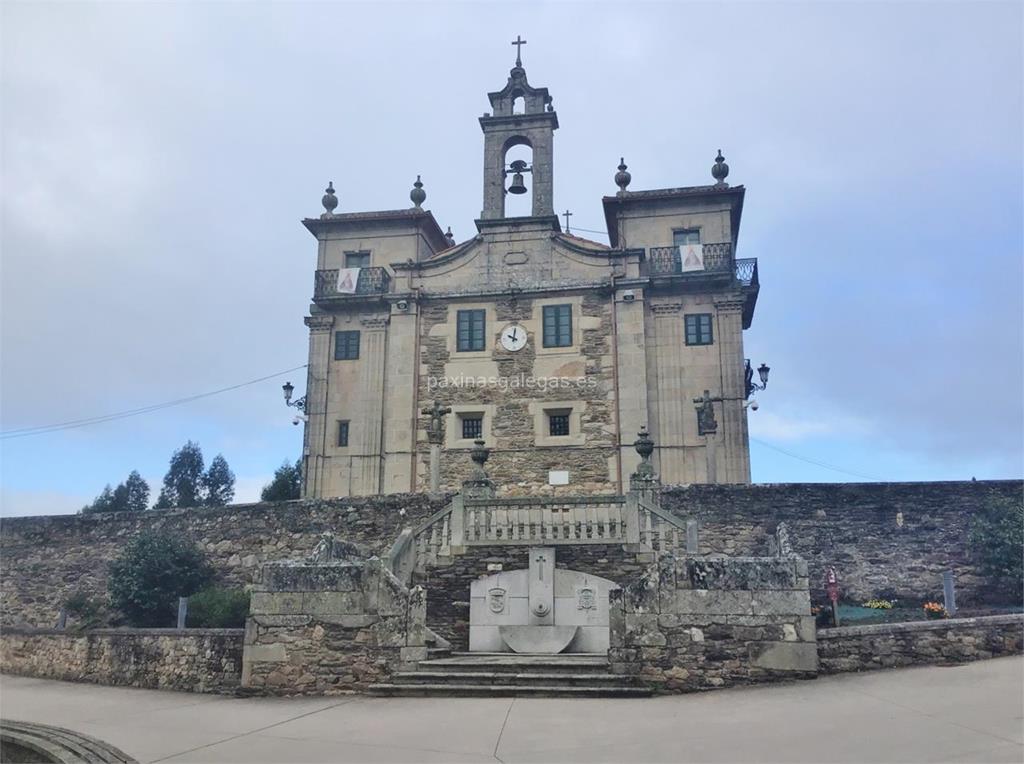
(698, 329)
(346, 346)
(342, 434)
(469, 330)
(557, 326)
(357, 259)
(558, 424)
(472, 426)
(686, 236)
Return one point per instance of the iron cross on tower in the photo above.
(519, 43)
(567, 215)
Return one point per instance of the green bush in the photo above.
(152, 573)
(997, 546)
(215, 608)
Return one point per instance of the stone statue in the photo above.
(706, 424)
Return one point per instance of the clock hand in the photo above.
(514, 338)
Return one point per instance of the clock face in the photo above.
(513, 337)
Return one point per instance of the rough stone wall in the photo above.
(518, 465)
(196, 660)
(852, 526)
(44, 559)
(890, 540)
(698, 623)
(329, 628)
(888, 645)
(447, 586)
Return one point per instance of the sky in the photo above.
(157, 159)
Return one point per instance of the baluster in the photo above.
(616, 514)
(592, 531)
(647, 532)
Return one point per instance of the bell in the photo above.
(517, 187)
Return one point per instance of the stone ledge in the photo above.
(131, 632)
(883, 629)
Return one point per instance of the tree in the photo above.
(218, 483)
(997, 544)
(152, 572)
(136, 493)
(287, 483)
(102, 503)
(183, 483)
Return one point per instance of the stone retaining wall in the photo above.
(889, 540)
(862, 648)
(197, 660)
(332, 627)
(699, 623)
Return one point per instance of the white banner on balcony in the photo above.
(348, 280)
(692, 257)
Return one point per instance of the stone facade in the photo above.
(626, 360)
(328, 628)
(852, 526)
(699, 623)
(196, 660)
(890, 645)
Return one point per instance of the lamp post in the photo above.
(299, 403)
(748, 377)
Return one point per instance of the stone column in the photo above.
(373, 346)
(735, 462)
(314, 434)
(670, 433)
(632, 373)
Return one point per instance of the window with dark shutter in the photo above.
(557, 326)
(688, 236)
(346, 346)
(698, 329)
(342, 434)
(469, 330)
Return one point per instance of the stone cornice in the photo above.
(319, 323)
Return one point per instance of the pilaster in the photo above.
(314, 433)
(734, 464)
(374, 384)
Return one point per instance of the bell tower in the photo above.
(522, 116)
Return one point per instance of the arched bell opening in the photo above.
(519, 181)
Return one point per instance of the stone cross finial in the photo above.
(436, 412)
(519, 43)
(567, 215)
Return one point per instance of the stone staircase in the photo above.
(513, 674)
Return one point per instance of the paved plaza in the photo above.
(967, 713)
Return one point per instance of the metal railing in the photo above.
(372, 280)
(746, 271)
(667, 261)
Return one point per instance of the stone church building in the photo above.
(553, 349)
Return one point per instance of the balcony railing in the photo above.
(667, 261)
(746, 271)
(373, 280)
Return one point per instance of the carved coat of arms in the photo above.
(586, 598)
(496, 600)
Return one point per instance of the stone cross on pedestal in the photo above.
(708, 428)
(435, 436)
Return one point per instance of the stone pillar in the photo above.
(735, 462)
(670, 433)
(374, 384)
(710, 450)
(314, 434)
(400, 418)
(632, 373)
(543, 173)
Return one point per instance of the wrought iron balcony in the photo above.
(746, 272)
(374, 280)
(667, 261)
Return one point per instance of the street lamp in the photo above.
(300, 403)
(751, 385)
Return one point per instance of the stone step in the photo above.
(510, 677)
(498, 690)
(568, 663)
